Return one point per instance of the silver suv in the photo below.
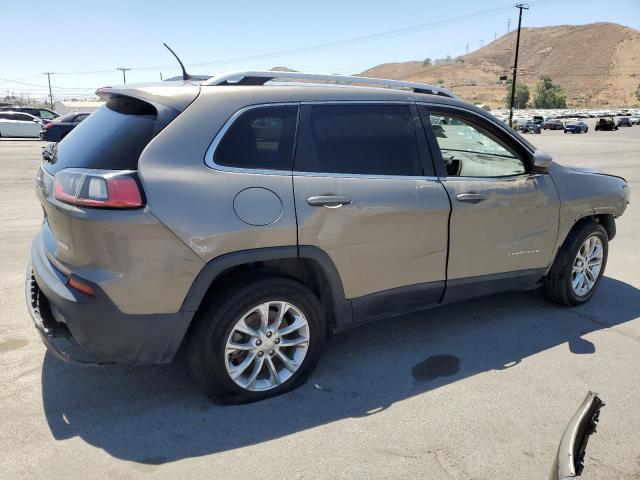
(246, 222)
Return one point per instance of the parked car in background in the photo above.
(539, 119)
(61, 126)
(635, 120)
(43, 114)
(18, 124)
(529, 127)
(606, 124)
(624, 122)
(553, 124)
(576, 127)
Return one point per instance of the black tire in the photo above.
(207, 340)
(557, 284)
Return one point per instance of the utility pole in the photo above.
(48, 74)
(124, 73)
(508, 25)
(521, 6)
(160, 76)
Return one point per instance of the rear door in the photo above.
(504, 219)
(27, 125)
(366, 194)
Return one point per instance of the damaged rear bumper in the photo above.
(80, 328)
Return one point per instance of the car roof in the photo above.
(17, 111)
(179, 94)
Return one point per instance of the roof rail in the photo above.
(252, 77)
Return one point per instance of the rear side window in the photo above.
(375, 139)
(260, 138)
(111, 138)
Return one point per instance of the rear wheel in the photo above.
(257, 340)
(579, 265)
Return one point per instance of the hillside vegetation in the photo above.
(596, 64)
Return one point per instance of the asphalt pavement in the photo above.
(477, 390)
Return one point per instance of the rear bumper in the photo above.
(76, 327)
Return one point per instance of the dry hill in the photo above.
(597, 64)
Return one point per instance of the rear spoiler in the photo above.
(176, 95)
(569, 462)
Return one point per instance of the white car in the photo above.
(19, 124)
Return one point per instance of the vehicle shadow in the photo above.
(155, 415)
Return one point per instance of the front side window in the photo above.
(47, 115)
(364, 139)
(468, 150)
(23, 118)
(260, 138)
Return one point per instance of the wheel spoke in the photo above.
(576, 281)
(288, 363)
(282, 309)
(263, 310)
(236, 371)
(296, 325)
(251, 381)
(294, 342)
(275, 376)
(235, 347)
(242, 327)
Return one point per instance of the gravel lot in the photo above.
(508, 373)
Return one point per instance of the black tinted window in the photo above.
(261, 138)
(22, 117)
(359, 139)
(112, 138)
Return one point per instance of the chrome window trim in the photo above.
(297, 173)
(209, 155)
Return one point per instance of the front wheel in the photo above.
(257, 340)
(579, 265)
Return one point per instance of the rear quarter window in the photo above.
(260, 138)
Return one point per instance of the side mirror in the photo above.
(541, 162)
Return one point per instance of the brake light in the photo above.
(98, 188)
(49, 125)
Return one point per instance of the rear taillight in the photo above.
(98, 188)
(48, 125)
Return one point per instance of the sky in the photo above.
(84, 42)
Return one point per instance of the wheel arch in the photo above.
(307, 264)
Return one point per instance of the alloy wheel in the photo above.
(267, 345)
(587, 266)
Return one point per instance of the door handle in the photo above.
(471, 197)
(329, 201)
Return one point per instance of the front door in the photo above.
(504, 219)
(366, 195)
